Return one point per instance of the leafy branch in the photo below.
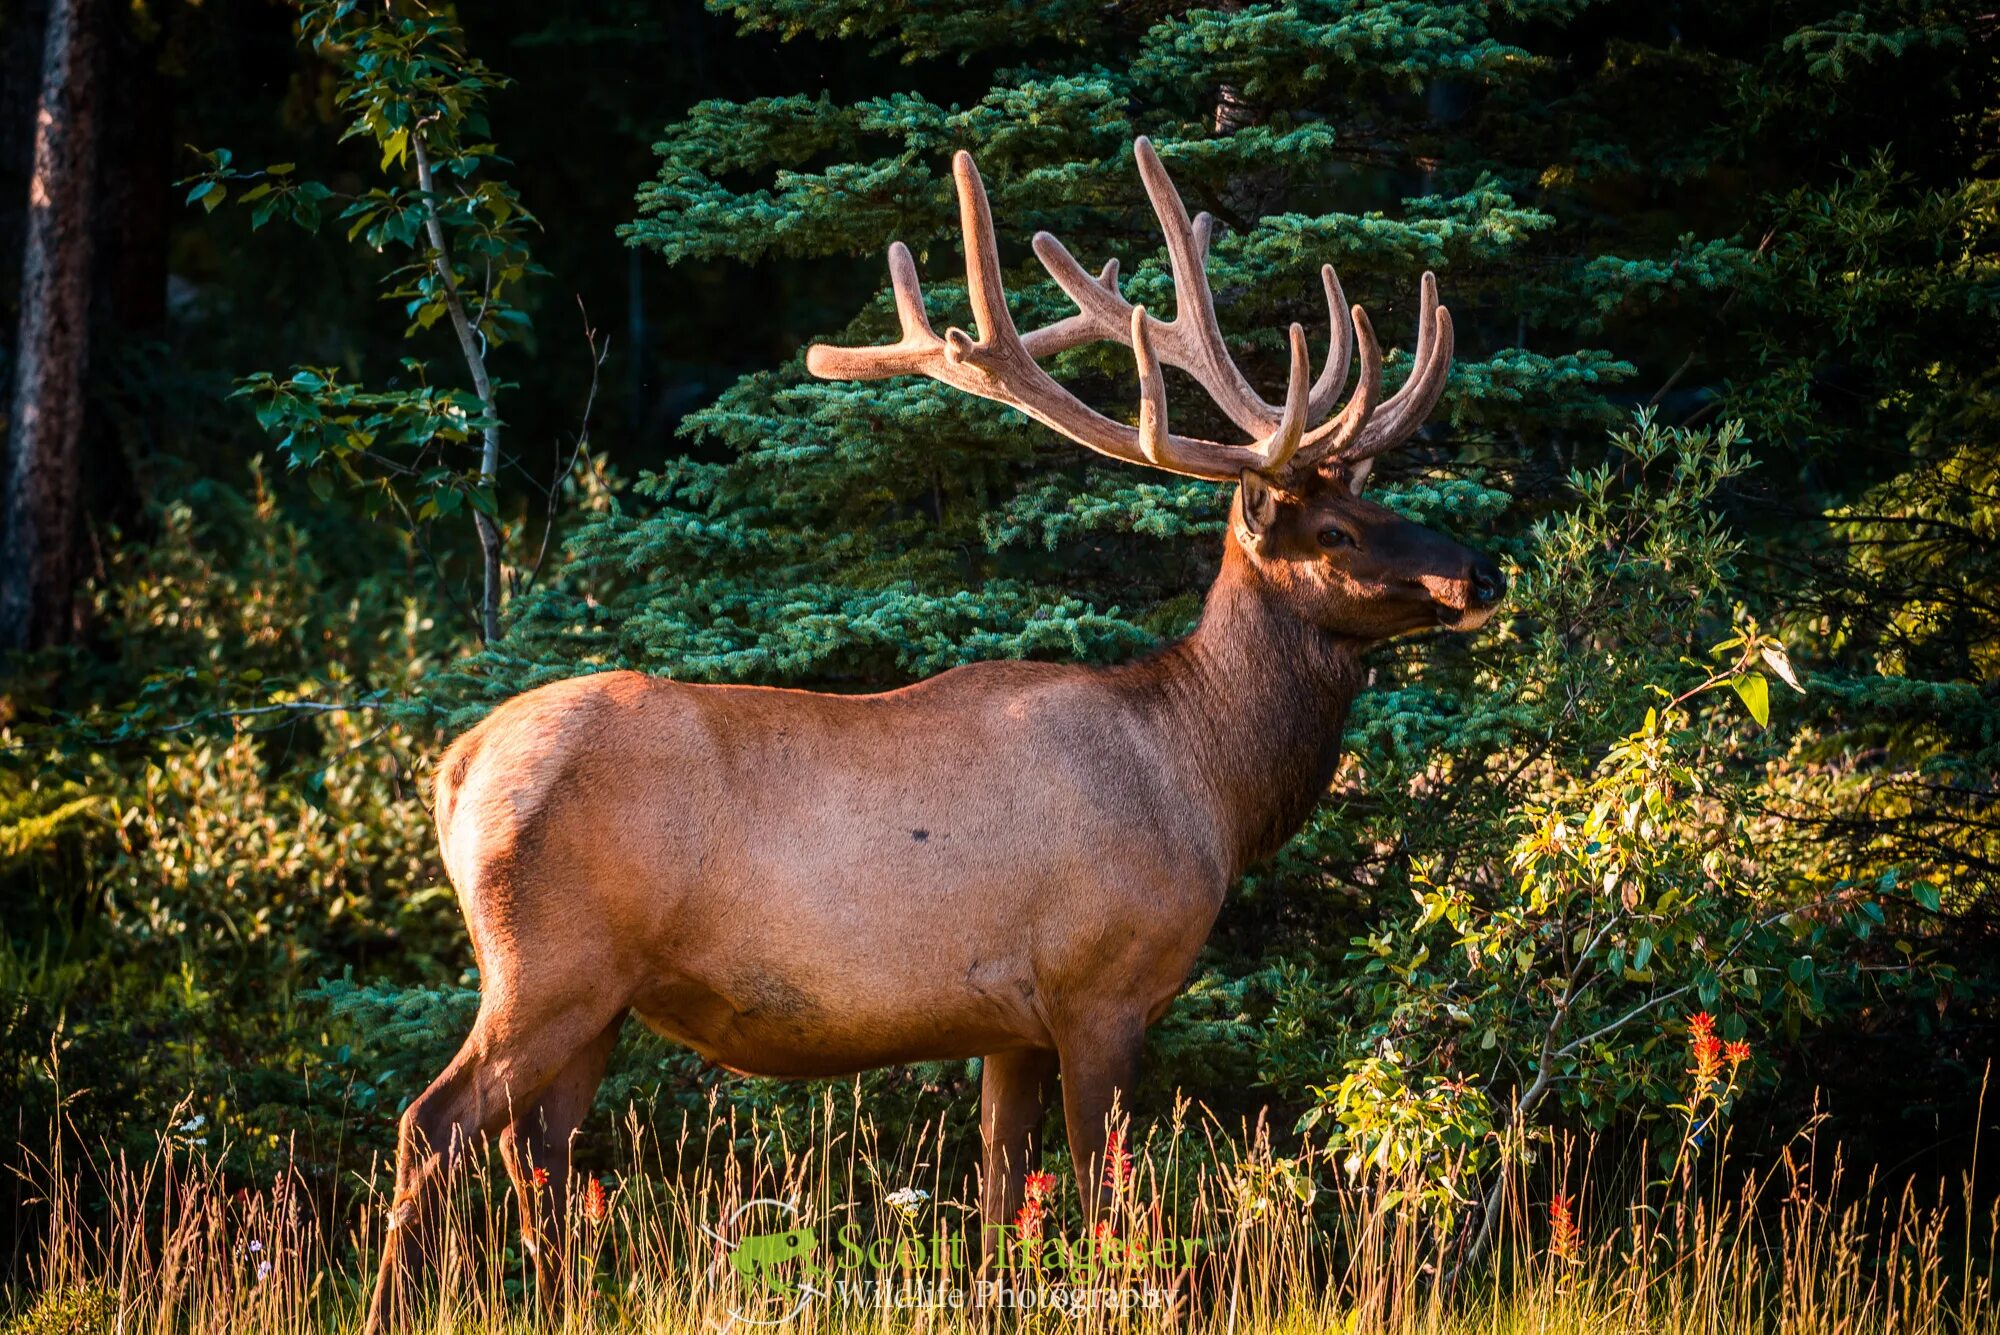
(425, 452)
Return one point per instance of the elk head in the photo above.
(1330, 557)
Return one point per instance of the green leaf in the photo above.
(1756, 694)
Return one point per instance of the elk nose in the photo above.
(1488, 584)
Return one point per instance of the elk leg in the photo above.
(504, 1064)
(1099, 1070)
(1014, 1090)
(540, 1138)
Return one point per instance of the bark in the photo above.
(39, 510)
(1232, 111)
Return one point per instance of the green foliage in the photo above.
(78, 1310)
(412, 91)
(1546, 949)
(187, 853)
(35, 815)
(325, 424)
(1871, 345)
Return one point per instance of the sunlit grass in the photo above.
(1788, 1250)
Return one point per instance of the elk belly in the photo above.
(759, 1022)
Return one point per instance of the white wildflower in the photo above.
(906, 1201)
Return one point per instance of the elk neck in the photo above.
(1251, 706)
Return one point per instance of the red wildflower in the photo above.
(596, 1203)
(1117, 1162)
(1040, 1188)
(540, 1177)
(1706, 1047)
(1736, 1052)
(1565, 1238)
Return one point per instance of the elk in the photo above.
(1016, 861)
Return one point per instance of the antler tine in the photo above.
(1335, 435)
(1075, 330)
(909, 293)
(1277, 448)
(1100, 308)
(1102, 313)
(1398, 419)
(1192, 340)
(910, 356)
(1194, 337)
(1152, 392)
(1284, 442)
(983, 285)
(1340, 347)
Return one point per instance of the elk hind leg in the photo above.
(507, 1062)
(536, 1148)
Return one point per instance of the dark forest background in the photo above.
(1725, 279)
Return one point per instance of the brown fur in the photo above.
(1012, 860)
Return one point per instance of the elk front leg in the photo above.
(539, 1139)
(1014, 1089)
(1100, 1067)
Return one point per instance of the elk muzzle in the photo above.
(1469, 600)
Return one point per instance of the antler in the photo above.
(1001, 364)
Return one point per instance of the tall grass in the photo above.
(1289, 1244)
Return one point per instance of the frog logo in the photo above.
(774, 1289)
(758, 1256)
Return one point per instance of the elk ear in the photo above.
(1357, 476)
(1259, 504)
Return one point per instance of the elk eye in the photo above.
(1335, 538)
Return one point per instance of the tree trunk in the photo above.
(39, 512)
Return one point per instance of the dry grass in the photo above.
(1790, 1251)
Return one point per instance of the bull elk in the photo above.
(1016, 861)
